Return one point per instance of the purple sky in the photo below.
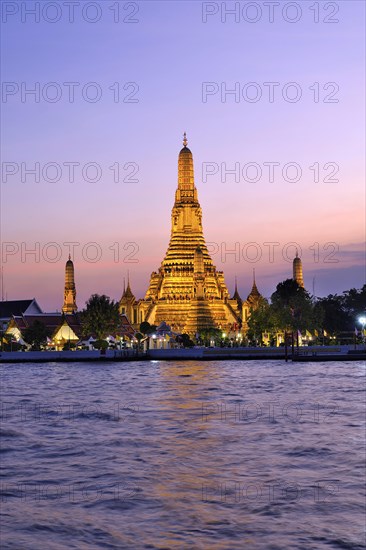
(169, 53)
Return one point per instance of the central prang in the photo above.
(187, 292)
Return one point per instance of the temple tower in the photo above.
(254, 295)
(251, 303)
(297, 270)
(237, 295)
(187, 292)
(69, 306)
(127, 303)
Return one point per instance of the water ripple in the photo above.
(189, 455)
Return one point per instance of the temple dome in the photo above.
(185, 151)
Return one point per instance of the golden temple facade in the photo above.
(187, 291)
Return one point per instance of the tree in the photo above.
(335, 318)
(68, 346)
(262, 319)
(292, 307)
(101, 344)
(185, 340)
(340, 313)
(36, 335)
(354, 303)
(206, 335)
(100, 317)
(147, 329)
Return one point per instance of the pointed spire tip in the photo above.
(185, 141)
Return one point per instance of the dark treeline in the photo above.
(292, 309)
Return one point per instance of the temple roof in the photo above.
(51, 320)
(127, 292)
(17, 307)
(126, 328)
(236, 293)
(254, 293)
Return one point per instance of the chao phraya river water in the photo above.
(183, 455)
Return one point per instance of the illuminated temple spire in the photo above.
(297, 270)
(237, 295)
(188, 292)
(254, 294)
(69, 306)
(185, 141)
(186, 219)
(127, 301)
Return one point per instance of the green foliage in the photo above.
(292, 307)
(69, 346)
(100, 317)
(36, 335)
(341, 313)
(354, 303)
(147, 329)
(262, 319)
(185, 340)
(100, 344)
(210, 334)
(335, 317)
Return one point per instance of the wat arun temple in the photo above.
(188, 292)
(187, 295)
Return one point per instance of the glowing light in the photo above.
(362, 320)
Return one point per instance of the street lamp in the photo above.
(362, 320)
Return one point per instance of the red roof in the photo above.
(126, 327)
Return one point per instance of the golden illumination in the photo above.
(187, 291)
(70, 289)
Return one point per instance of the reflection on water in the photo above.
(211, 455)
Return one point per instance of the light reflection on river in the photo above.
(211, 455)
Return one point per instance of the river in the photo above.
(183, 455)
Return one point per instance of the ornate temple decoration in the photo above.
(187, 292)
